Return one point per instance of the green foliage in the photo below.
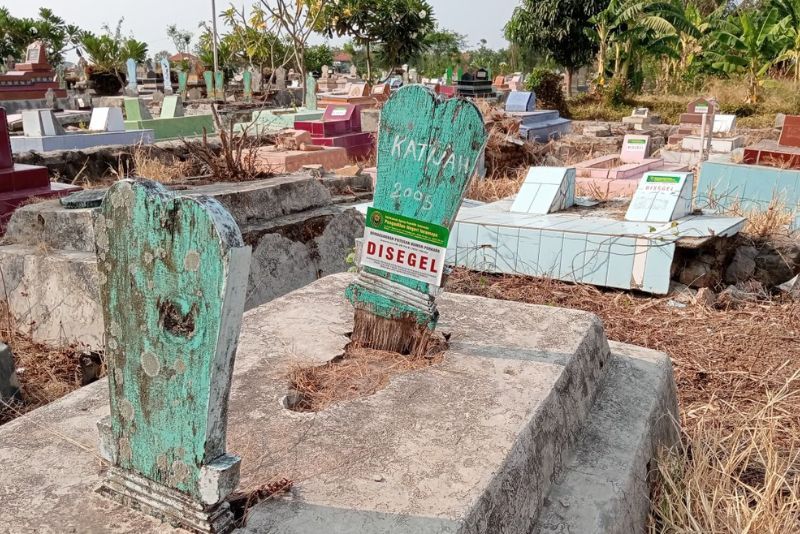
(318, 56)
(17, 33)
(442, 50)
(557, 27)
(497, 61)
(397, 27)
(181, 38)
(616, 93)
(547, 86)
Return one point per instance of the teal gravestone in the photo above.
(183, 78)
(427, 152)
(247, 83)
(167, 74)
(219, 85)
(449, 76)
(311, 92)
(173, 276)
(131, 89)
(208, 77)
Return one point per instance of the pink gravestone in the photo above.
(19, 183)
(635, 148)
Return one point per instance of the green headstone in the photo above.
(427, 152)
(172, 107)
(247, 82)
(311, 92)
(135, 110)
(173, 276)
(449, 80)
(183, 77)
(219, 85)
(208, 77)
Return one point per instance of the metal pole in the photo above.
(214, 36)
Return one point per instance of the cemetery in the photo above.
(329, 267)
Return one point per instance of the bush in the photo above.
(615, 94)
(547, 86)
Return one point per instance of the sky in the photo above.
(148, 19)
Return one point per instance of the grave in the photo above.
(587, 243)
(698, 119)
(768, 177)
(475, 85)
(31, 79)
(300, 228)
(340, 126)
(639, 119)
(785, 152)
(529, 421)
(357, 94)
(618, 175)
(43, 132)
(131, 89)
(273, 120)
(723, 139)
(19, 184)
(293, 151)
(171, 123)
(539, 126)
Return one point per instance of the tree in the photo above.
(109, 52)
(443, 49)
(399, 27)
(789, 12)
(556, 26)
(749, 44)
(17, 33)
(318, 56)
(180, 38)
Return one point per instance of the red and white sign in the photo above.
(406, 257)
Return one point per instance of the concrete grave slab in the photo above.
(473, 445)
(546, 190)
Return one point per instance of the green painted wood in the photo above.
(219, 84)
(183, 78)
(247, 82)
(208, 77)
(173, 275)
(427, 152)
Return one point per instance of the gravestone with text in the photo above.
(662, 197)
(173, 277)
(167, 74)
(427, 152)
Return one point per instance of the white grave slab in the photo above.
(40, 122)
(662, 197)
(724, 124)
(635, 148)
(107, 120)
(546, 190)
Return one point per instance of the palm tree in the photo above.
(751, 45)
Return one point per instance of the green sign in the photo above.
(655, 179)
(397, 224)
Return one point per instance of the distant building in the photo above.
(342, 62)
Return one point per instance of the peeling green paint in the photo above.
(427, 152)
(173, 275)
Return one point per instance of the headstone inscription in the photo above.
(132, 88)
(167, 74)
(662, 197)
(173, 349)
(427, 152)
(635, 148)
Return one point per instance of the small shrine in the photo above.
(32, 79)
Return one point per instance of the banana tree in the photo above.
(749, 44)
(789, 12)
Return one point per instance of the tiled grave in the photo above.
(171, 122)
(340, 126)
(540, 126)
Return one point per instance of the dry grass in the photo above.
(739, 461)
(770, 222)
(493, 189)
(359, 372)
(45, 373)
(147, 164)
(736, 471)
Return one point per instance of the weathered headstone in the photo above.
(247, 85)
(257, 80)
(157, 97)
(40, 123)
(546, 190)
(135, 110)
(172, 107)
(353, 71)
(107, 120)
(662, 197)
(219, 85)
(724, 124)
(9, 385)
(427, 152)
(280, 78)
(173, 277)
(167, 74)
(326, 72)
(413, 76)
(132, 88)
(790, 133)
(183, 78)
(208, 77)
(311, 92)
(50, 98)
(635, 148)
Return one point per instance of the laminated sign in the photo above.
(408, 247)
